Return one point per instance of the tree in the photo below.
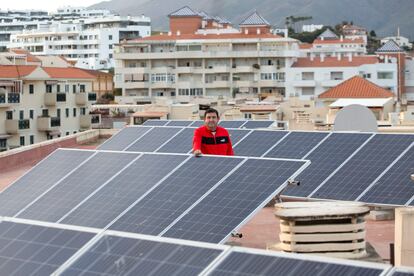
(372, 33)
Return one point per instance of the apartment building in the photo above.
(40, 103)
(308, 77)
(204, 56)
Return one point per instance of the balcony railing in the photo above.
(10, 98)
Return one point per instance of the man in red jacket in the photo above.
(211, 138)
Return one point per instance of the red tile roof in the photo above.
(30, 57)
(67, 73)
(208, 36)
(356, 87)
(15, 71)
(334, 62)
(338, 41)
(305, 46)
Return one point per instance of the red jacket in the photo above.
(218, 144)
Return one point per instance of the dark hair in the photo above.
(211, 110)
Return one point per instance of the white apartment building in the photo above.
(198, 58)
(401, 41)
(308, 77)
(39, 103)
(89, 42)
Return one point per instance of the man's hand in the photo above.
(197, 153)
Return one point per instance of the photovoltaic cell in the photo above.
(127, 256)
(324, 160)
(395, 186)
(227, 206)
(238, 263)
(296, 145)
(258, 142)
(257, 124)
(123, 138)
(77, 186)
(179, 123)
(36, 250)
(237, 134)
(181, 143)
(363, 168)
(155, 122)
(173, 196)
(402, 271)
(231, 124)
(39, 179)
(198, 123)
(153, 139)
(123, 190)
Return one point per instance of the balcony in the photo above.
(184, 69)
(272, 83)
(89, 120)
(9, 99)
(330, 83)
(14, 126)
(52, 98)
(304, 83)
(244, 69)
(217, 84)
(81, 99)
(48, 123)
(245, 83)
(163, 84)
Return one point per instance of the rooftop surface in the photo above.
(263, 229)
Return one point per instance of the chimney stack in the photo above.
(322, 57)
(258, 31)
(350, 57)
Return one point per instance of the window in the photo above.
(31, 139)
(110, 55)
(67, 112)
(110, 37)
(21, 114)
(385, 75)
(58, 88)
(45, 112)
(247, 115)
(190, 92)
(110, 46)
(67, 133)
(308, 91)
(48, 88)
(9, 115)
(74, 112)
(74, 88)
(21, 140)
(31, 89)
(58, 112)
(337, 75)
(31, 113)
(66, 88)
(82, 111)
(307, 75)
(82, 88)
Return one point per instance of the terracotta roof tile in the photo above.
(339, 41)
(356, 87)
(305, 46)
(67, 73)
(15, 71)
(29, 56)
(334, 62)
(208, 36)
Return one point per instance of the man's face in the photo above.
(211, 120)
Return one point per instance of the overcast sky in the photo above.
(48, 5)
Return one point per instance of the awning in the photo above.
(7, 83)
(54, 132)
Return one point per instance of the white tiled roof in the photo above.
(364, 102)
(205, 15)
(328, 34)
(184, 11)
(221, 20)
(255, 19)
(390, 47)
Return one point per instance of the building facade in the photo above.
(40, 103)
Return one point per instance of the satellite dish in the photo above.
(355, 117)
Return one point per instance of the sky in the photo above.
(48, 5)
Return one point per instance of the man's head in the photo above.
(211, 118)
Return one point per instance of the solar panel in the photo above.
(27, 249)
(258, 142)
(179, 123)
(124, 138)
(181, 143)
(250, 187)
(296, 144)
(172, 197)
(395, 186)
(122, 191)
(114, 255)
(257, 124)
(324, 160)
(248, 263)
(40, 179)
(153, 139)
(155, 122)
(401, 271)
(231, 124)
(364, 167)
(198, 123)
(237, 134)
(77, 186)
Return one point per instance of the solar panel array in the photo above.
(373, 168)
(250, 124)
(34, 248)
(150, 193)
